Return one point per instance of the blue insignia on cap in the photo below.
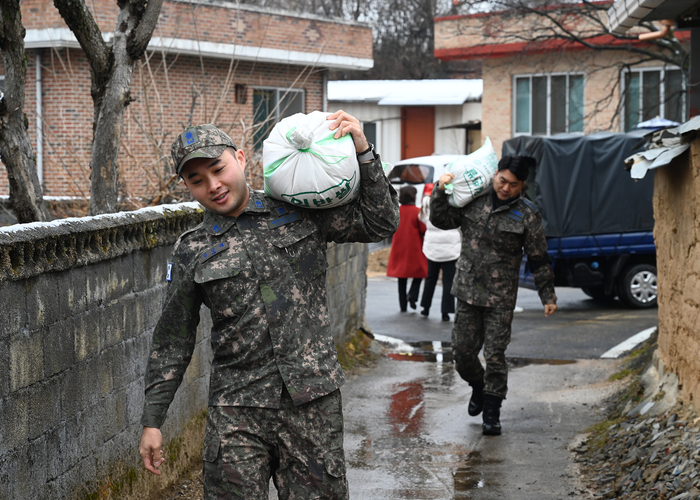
(190, 138)
(258, 203)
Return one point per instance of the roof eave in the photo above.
(64, 38)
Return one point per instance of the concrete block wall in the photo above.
(80, 300)
(346, 283)
(677, 238)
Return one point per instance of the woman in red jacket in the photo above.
(406, 259)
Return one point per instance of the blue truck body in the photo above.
(598, 222)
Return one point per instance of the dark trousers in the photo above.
(413, 292)
(476, 327)
(299, 447)
(448, 273)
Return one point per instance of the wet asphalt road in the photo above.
(408, 435)
(580, 329)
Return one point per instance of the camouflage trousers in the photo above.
(476, 327)
(300, 448)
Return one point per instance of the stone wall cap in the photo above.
(32, 230)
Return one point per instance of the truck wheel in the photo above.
(638, 286)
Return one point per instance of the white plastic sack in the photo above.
(473, 175)
(305, 165)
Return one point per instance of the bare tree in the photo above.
(403, 35)
(554, 26)
(111, 69)
(583, 22)
(16, 148)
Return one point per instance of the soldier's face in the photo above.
(218, 183)
(506, 184)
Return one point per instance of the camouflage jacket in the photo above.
(263, 277)
(492, 249)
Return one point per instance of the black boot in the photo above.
(492, 415)
(476, 402)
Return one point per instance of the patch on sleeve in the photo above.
(169, 274)
(285, 219)
(213, 251)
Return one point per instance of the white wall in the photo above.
(388, 119)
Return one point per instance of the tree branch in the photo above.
(137, 41)
(80, 21)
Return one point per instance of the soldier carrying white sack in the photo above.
(259, 265)
(496, 228)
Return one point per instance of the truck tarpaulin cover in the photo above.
(581, 186)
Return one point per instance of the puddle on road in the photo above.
(520, 362)
(421, 356)
(473, 474)
(441, 352)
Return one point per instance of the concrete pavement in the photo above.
(408, 434)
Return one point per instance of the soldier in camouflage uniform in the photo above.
(259, 265)
(496, 228)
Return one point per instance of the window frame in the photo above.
(549, 76)
(280, 92)
(377, 132)
(662, 92)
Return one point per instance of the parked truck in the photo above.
(598, 221)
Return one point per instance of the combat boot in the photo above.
(476, 402)
(492, 415)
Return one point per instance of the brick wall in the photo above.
(601, 89)
(166, 101)
(172, 90)
(81, 298)
(227, 22)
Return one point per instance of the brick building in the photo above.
(238, 66)
(556, 86)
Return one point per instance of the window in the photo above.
(653, 92)
(370, 130)
(548, 104)
(270, 106)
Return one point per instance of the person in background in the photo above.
(441, 248)
(406, 259)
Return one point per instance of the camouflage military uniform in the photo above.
(486, 282)
(263, 277)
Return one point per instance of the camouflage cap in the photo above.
(199, 141)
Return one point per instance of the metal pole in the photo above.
(39, 123)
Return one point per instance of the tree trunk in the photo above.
(111, 69)
(15, 147)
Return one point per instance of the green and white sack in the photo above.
(303, 164)
(473, 175)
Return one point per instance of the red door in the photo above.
(417, 132)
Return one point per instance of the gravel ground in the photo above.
(645, 458)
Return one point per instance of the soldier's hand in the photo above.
(549, 309)
(346, 124)
(445, 179)
(151, 450)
